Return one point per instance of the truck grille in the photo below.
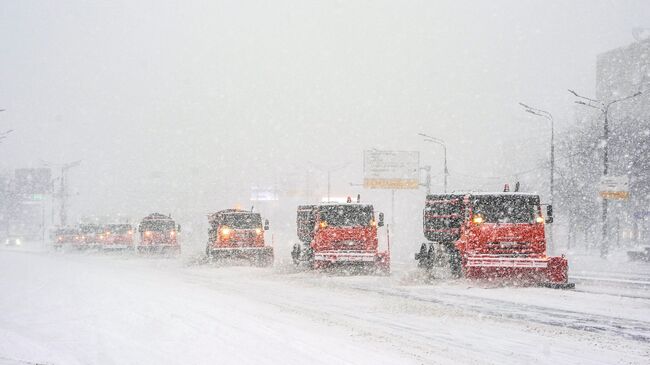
(348, 245)
(510, 248)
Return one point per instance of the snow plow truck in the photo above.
(65, 236)
(492, 236)
(118, 236)
(91, 236)
(334, 234)
(238, 234)
(159, 233)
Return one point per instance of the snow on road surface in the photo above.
(91, 308)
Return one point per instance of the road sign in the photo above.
(614, 187)
(391, 169)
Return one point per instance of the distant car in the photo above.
(640, 255)
(13, 241)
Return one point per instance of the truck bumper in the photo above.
(506, 262)
(240, 251)
(548, 271)
(117, 246)
(345, 256)
(377, 260)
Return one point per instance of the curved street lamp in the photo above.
(548, 116)
(604, 109)
(442, 143)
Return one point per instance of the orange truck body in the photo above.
(158, 233)
(118, 236)
(236, 233)
(339, 234)
(492, 235)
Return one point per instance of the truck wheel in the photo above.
(432, 259)
(268, 261)
(295, 254)
(422, 256)
(455, 263)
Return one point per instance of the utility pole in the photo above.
(604, 109)
(442, 143)
(392, 208)
(427, 181)
(63, 191)
(329, 171)
(549, 117)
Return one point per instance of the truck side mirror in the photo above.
(549, 214)
(381, 220)
(266, 224)
(178, 228)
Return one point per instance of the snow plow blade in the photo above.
(380, 260)
(260, 256)
(169, 250)
(550, 272)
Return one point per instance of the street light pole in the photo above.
(427, 181)
(444, 147)
(63, 190)
(604, 109)
(328, 185)
(548, 116)
(329, 171)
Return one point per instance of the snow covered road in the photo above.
(90, 308)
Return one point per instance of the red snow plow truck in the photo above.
(236, 233)
(118, 236)
(159, 233)
(334, 234)
(493, 236)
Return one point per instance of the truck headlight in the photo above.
(225, 231)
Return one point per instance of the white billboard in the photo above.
(391, 169)
(614, 187)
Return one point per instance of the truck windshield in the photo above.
(90, 228)
(346, 215)
(66, 232)
(242, 221)
(506, 208)
(158, 225)
(444, 214)
(119, 228)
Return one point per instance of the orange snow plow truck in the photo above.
(118, 236)
(158, 233)
(333, 234)
(236, 233)
(493, 236)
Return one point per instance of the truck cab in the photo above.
(236, 233)
(339, 234)
(488, 235)
(158, 232)
(64, 236)
(118, 236)
(91, 235)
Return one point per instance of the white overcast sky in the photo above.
(206, 98)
